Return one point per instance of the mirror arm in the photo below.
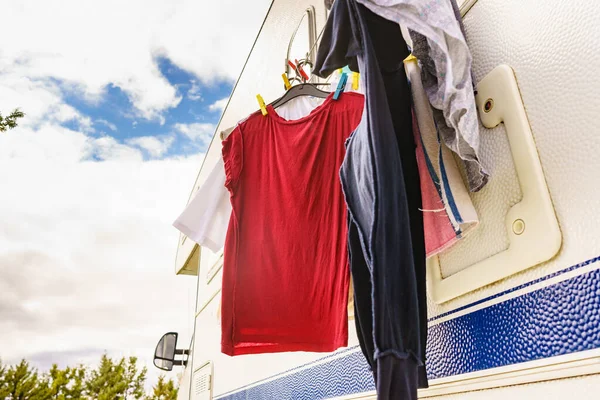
(180, 363)
(182, 352)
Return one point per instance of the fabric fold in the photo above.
(440, 45)
(448, 211)
(380, 181)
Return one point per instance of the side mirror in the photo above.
(166, 350)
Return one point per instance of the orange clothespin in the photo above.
(355, 76)
(286, 81)
(261, 103)
(293, 66)
(301, 71)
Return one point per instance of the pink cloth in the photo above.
(448, 211)
(439, 233)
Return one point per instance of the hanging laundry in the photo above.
(285, 270)
(440, 45)
(381, 185)
(449, 214)
(206, 217)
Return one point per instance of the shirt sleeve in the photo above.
(340, 44)
(233, 159)
(206, 217)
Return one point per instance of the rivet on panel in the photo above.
(489, 104)
(518, 227)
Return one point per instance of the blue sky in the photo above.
(114, 115)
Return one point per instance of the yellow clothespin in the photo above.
(410, 58)
(261, 103)
(355, 76)
(286, 81)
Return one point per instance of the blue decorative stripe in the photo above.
(291, 370)
(533, 282)
(551, 321)
(559, 319)
(447, 189)
(338, 377)
(430, 169)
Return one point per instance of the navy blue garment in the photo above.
(380, 180)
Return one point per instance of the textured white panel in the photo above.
(552, 45)
(583, 388)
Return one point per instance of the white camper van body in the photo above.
(510, 315)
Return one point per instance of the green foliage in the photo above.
(10, 122)
(164, 390)
(116, 380)
(3, 383)
(65, 384)
(21, 382)
(111, 380)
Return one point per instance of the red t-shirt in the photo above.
(285, 272)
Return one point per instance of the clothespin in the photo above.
(410, 58)
(355, 76)
(298, 70)
(286, 81)
(301, 71)
(261, 103)
(293, 66)
(341, 86)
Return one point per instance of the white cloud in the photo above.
(86, 248)
(218, 105)
(199, 132)
(77, 46)
(194, 92)
(108, 148)
(106, 123)
(155, 146)
(41, 100)
(213, 29)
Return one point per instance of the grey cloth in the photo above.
(439, 44)
(420, 46)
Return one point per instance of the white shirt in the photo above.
(206, 217)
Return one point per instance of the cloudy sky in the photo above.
(122, 98)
